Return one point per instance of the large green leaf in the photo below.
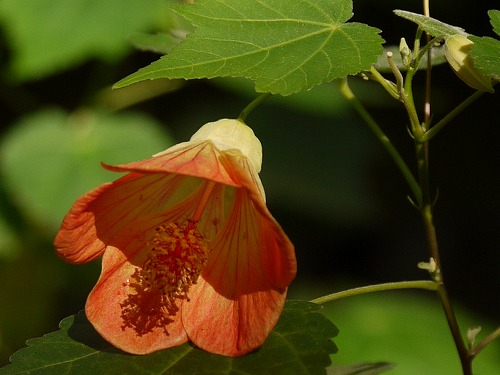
(299, 344)
(285, 46)
(50, 158)
(49, 35)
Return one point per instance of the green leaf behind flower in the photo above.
(51, 157)
(49, 35)
(299, 344)
(284, 46)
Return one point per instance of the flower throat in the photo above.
(176, 257)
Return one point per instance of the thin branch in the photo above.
(418, 284)
(485, 342)
(249, 108)
(450, 116)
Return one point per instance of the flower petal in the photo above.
(152, 187)
(276, 250)
(230, 327)
(197, 159)
(96, 217)
(243, 288)
(123, 310)
(123, 313)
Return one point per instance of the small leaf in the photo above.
(299, 344)
(284, 46)
(495, 20)
(430, 25)
(486, 55)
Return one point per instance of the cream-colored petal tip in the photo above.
(230, 134)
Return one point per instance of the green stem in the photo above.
(418, 284)
(390, 87)
(409, 103)
(249, 108)
(450, 116)
(375, 128)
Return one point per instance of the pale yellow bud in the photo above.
(456, 49)
(231, 134)
(405, 52)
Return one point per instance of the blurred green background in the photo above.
(328, 181)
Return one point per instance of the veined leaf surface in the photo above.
(285, 46)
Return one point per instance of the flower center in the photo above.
(177, 257)
(174, 262)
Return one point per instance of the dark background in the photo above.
(329, 183)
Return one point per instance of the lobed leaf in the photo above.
(284, 46)
(299, 344)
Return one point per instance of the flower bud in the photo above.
(457, 48)
(405, 52)
(227, 134)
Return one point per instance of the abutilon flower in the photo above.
(189, 249)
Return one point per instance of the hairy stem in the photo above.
(418, 284)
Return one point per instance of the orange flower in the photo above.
(190, 250)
